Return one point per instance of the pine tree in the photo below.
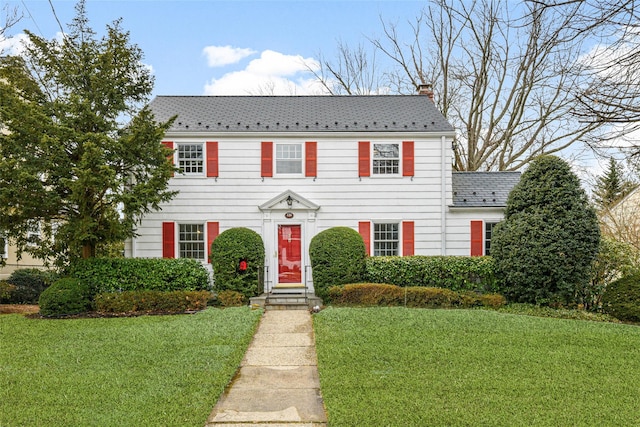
(80, 153)
(611, 186)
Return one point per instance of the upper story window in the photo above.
(288, 159)
(191, 241)
(191, 159)
(386, 239)
(386, 159)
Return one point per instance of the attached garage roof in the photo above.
(375, 113)
(482, 189)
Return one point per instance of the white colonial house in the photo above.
(289, 167)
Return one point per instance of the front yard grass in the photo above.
(401, 367)
(142, 371)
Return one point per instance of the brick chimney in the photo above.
(426, 89)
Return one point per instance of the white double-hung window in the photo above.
(386, 159)
(386, 239)
(191, 241)
(191, 159)
(288, 159)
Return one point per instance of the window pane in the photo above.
(385, 239)
(289, 158)
(488, 232)
(191, 241)
(386, 159)
(190, 158)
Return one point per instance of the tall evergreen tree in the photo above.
(549, 238)
(611, 186)
(80, 153)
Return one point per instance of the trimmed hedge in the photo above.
(457, 273)
(227, 250)
(137, 274)
(151, 301)
(231, 298)
(337, 257)
(621, 299)
(29, 283)
(376, 294)
(5, 290)
(65, 297)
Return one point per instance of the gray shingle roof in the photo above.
(387, 113)
(482, 189)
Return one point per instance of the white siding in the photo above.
(344, 198)
(459, 227)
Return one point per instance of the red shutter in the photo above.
(407, 238)
(476, 238)
(169, 145)
(364, 155)
(212, 159)
(407, 158)
(213, 229)
(267, 158)
(364, 228)
(311, 154)
(168, 240)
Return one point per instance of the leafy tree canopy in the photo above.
(80, 153)
(549, 238)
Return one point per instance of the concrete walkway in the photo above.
(277, 384)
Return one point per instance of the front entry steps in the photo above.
(289, 296)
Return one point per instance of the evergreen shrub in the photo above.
(378, 294)
(621, 299)
(231, 298)
(227, 250)
(136, 274)
(66, 296)
(29, 283)
(5, 290)
(545, 246)
(136, 302)
(457, 273)
(337, 257)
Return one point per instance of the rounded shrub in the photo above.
(29, 283)
(231, 248)
(545, 247)
(65, 297)
(337, 257)
(621, 299)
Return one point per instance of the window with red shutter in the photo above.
(477, 238)
(407, 158)
(311, 154)
(267, 159)
(364, 228)
(364, 158)
(168, 240)
(408, 238)
(212, 159)
(169, 145)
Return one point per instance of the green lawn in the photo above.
(143, 371)
(413, 367)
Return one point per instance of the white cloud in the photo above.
(274, 73)
(13, 45)
(219, 56)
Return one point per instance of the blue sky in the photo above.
(228, 47)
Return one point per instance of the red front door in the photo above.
(289, 254)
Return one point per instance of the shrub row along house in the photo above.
(289, 167)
